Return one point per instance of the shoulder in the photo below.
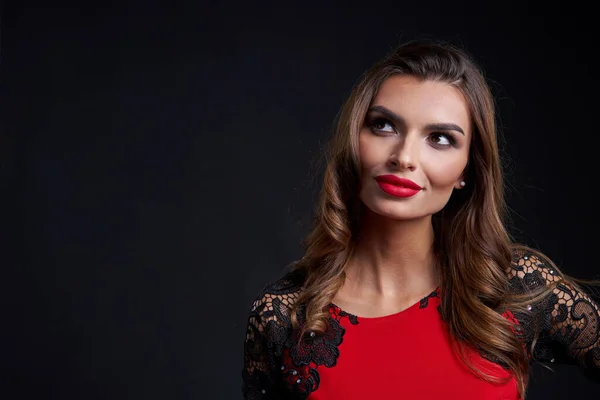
(275, 300)
(530, 269)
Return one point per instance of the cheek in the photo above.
(445, 172)
(368, 152)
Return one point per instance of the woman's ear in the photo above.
(460, 184)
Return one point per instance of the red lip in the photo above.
(397, 187)
(394, 180)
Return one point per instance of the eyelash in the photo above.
(371, 122)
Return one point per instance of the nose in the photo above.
(404, 156)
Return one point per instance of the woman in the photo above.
(409, 272)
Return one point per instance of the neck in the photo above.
(393, 259)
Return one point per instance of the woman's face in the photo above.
(416, 130)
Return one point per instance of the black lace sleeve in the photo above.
(568, 321)
(257, 382)
(268, 330)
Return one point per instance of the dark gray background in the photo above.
(158, 172)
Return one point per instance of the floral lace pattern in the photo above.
(276, 362)
(279, 365)
(425, 300)
(568, 320)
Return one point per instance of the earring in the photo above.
(462, 183)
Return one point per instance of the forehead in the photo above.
(424, 101)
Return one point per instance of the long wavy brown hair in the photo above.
(472, 245)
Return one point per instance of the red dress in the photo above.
(408, 355)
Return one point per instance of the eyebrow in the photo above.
(444, 126)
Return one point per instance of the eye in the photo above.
(379, 124)
(442, 139)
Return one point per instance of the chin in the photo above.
(391, 209)
(399, 209)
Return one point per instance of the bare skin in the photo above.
(393, 266)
